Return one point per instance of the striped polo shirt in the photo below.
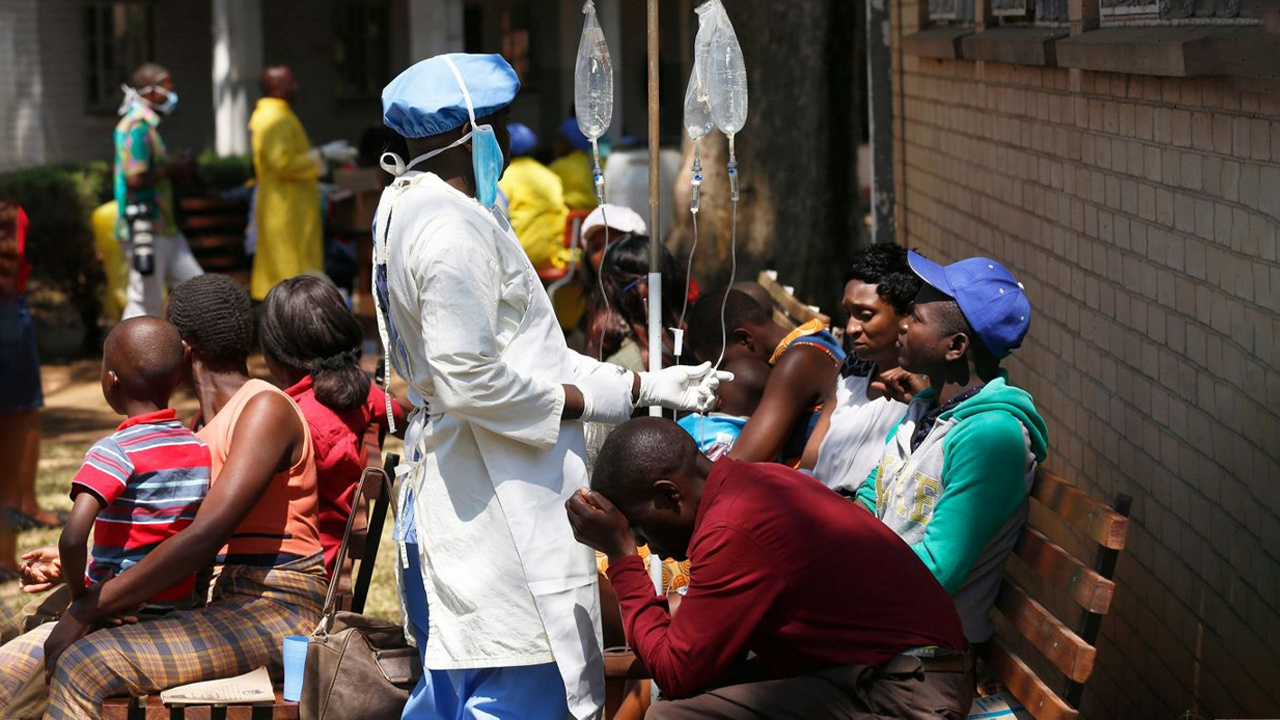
(150, 475)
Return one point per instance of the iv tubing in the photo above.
(733, 250)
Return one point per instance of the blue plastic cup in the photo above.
(295, 661)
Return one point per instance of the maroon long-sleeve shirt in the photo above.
(783, 566)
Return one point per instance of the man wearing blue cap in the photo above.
(536, 198)
(956, 472)
(499, 597)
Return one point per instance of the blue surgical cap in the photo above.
(569, 131)
(425, 99)
(523, 141)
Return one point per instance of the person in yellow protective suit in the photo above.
(536, 198)
(574, 167)
(288, 170)
(115, 266)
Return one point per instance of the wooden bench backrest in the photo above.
(215, 230)
(790, 311)
(1084, 586)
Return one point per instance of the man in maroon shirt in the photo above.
(845, 619)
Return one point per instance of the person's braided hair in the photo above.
(306, 326)
(214, 316)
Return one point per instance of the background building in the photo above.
(64, 61)
(1123, 159)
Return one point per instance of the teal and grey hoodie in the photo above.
(960, 498)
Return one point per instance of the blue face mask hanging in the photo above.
(486, 153)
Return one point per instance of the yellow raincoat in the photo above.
(574, 170)
(288, 210)
(537, 211)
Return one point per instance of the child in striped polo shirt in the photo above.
(145, 481)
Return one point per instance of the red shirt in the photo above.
(338, 438)
(783, 566)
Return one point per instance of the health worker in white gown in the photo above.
(500, 599)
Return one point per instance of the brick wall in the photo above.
(1141, 213)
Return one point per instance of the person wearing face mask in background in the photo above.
(146, 225)
(507, 618)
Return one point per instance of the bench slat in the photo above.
(1022, 681)
(623, 664)
(1095, 519)
(789, 303)
(1073, 656)
(1061, 569)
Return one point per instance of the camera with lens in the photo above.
(141, 219)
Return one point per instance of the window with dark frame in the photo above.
(952, 12)
(119, 35)
(1124, 12)
(361, 48)
(1037, 12)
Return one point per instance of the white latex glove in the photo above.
(606, 395)
(682, 387)
(317, 159)
(339, 151)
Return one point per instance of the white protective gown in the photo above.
(474, 334)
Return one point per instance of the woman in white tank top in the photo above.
(871, 392)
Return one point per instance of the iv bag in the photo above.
(697, 108)
(726, 72)
(697, 98)
(593, 78)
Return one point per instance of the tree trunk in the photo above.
(800, 211)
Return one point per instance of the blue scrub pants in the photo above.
(533, 692)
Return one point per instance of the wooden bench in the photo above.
(149, 707)
(1044, 582)
(1055, 595)
(790, 311)
(215, 230)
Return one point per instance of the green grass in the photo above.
(58, 464)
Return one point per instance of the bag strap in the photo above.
(331, 598)
(360, 591)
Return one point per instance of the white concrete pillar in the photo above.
(237, 63)
(435, 27)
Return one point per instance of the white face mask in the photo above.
(135, 95)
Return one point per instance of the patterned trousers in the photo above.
(243, 628)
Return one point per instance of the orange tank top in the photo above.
(282, 526)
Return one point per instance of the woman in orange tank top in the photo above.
(259, 517)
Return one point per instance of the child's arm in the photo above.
(73, 544)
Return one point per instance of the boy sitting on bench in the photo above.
(138, 486)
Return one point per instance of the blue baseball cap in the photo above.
(523, 140)
(992, 300)
(426, 100)
(570, 132)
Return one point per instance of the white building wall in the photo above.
(22, 142)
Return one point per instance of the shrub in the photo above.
(58, 200)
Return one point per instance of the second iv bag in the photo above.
(593, 78)
(726, 72)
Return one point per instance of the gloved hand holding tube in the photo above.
(686, 388)
(607, 397)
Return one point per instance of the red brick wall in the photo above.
(1141, 213)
